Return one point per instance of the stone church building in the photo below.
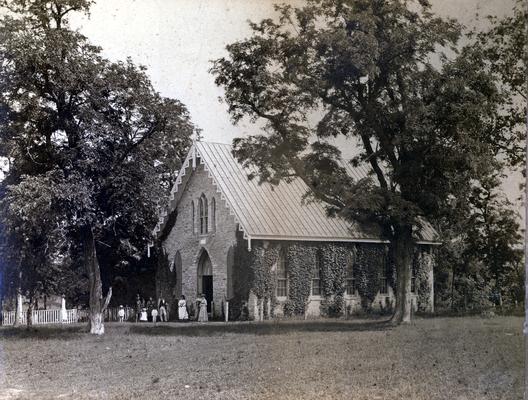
(268, 253)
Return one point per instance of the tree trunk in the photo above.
(403, 250)
(97, 306)
(453, 288)
(29, 314)
(18, 307)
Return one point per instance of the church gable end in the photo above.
(203, 224)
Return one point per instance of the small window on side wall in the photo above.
(413, 278)
(351, 288)
(384, 281)
(316, 276)
(282, 277)
(384, 287)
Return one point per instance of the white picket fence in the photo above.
(110, 314)
(43, 317)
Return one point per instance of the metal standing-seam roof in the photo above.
(274, 212)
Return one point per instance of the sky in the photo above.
(177, 39)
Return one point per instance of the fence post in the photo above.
(226, 311)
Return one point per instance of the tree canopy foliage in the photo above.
(426, 115)
(483, 254)
(92, 146)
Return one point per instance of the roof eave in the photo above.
(330, 239)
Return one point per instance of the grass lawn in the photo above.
(443, 358)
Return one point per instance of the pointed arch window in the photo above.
(193, 217)
(213, 215)
(203, 214)
(282, 277)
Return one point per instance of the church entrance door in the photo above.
(207, 284)
(205, 278)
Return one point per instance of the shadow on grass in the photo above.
(57, 332)
(258, 328)
(69, 332)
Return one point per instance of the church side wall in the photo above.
(191, 245)
(373, 279)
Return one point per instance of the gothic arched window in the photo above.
(193, 216)
(213, 215)
(203, 214)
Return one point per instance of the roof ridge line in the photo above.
(210, 142)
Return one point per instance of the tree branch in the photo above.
(373, 160)
(107, 299)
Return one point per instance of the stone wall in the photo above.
(190, 245)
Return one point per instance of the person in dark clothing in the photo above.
(139, 306)
(150, 307)
(162, 307)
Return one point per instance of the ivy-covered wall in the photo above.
(370, 265)
(423, 265)
(255, 277)
(300, 260)
(333, 261)
(253, 273)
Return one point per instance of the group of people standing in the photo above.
(183, 311)
(149, 311)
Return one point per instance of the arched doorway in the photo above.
(205, 278)
(176, 278)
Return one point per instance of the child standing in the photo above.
(121, 314)
(154, 314)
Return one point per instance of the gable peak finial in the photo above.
(197, 135)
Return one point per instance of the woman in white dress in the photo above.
(183, 315)
(202, 315)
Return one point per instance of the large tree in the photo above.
(92, 146)
(485, 230)
(478, 264)
(35, 260)
(388, 75)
